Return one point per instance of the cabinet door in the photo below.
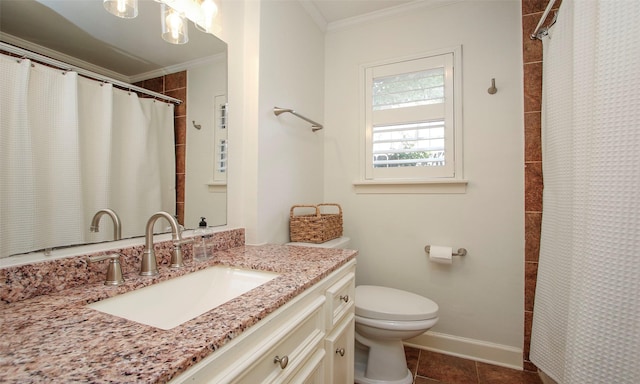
(340, 349)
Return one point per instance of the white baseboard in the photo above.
(477, 350)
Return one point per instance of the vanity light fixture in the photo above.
(201, 12)
(127, 9)
(209, 12)
(174, 25)
(174, 16)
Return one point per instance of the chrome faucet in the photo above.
(117, 227)
(149, 265)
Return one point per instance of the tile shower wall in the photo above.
(532, 10)
(175, 85)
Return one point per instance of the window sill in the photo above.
(410, 186)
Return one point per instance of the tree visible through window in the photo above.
(409, 89)
(409, 145)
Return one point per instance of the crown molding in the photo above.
(179, 67)
(373, 16)
(317, 17)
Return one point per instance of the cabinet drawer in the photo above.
(296, 344)
(340, 299)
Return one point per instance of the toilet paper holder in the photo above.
(461, 251)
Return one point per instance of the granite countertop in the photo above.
(55, 338)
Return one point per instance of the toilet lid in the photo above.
(385, 303)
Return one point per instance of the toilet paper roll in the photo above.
(440, 254)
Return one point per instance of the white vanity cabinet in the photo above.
(297, 343)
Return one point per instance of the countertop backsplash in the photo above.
(23, 282)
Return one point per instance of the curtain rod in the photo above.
(23, 53)
(543, 31)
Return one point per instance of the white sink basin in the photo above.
(170, 303)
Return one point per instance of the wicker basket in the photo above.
(315, 228)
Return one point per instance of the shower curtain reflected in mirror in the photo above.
(71, 146)
(586, 324)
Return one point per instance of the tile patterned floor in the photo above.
(430, 367)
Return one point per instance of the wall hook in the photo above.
(196, 126)
(492, 90)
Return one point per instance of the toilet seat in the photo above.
(384, 303)
(396, 325)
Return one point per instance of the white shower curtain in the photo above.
(39, 143)
(586, 323)
(128, 157)
(142, 152)
(71, 146)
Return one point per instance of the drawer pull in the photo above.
(340, 351)
(284, 360)
(344, 298)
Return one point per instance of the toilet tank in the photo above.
(340, 242)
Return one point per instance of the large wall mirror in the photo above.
(83, 34)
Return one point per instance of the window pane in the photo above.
(409, 145)
(408, 89)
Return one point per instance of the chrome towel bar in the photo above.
(314, 126)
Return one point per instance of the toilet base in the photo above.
(361, 360)
(360, 378)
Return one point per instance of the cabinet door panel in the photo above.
(340, 350)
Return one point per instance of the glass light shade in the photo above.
(175, 28)
(127, 9)
(209, 10)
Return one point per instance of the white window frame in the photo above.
(447, 179)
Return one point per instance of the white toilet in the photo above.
(384, 318)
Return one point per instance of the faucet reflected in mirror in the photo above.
(149, 265)
(117, 226)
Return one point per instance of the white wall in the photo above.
(276, 58)
(204, 83)
(480, 296)
(290, 155)
(240, 30)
